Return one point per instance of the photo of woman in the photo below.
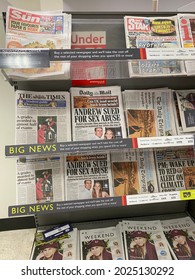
(97, 250)
(97, 190)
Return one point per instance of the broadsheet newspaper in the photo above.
(39, 180)
(153, 32)
(180, 234)
(101, 244)
(85, 73)
(97, 112)
(186, 107)
(144, 240)
(149, 112)
(26, 29)
(187, 35)
(133, 172)
(88, 176)
(42, 117)
(63, 247)
(175, 169)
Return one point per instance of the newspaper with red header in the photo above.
(26, 29)
(153, 32)
(187, 35)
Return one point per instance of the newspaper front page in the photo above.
(39, 180)
(153, 32)
(88, 176)
(134, 172)
(180, 234)
(42, 117)
(97, 113)
(101, 244)
(175, 169)
(26, 29)
(149, 113)
(144, 240)
(63, 247)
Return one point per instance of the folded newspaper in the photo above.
(26, 29)
(153, 32)
(42, 117)
(97, 113)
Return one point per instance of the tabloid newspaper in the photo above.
(175, 169)
(63, 247)
(101, 244)
(88, 73)
(187, 34)
(88, 176)
(186, 108)
(153, 32)
(97, 112)
(133, 172)
(26, 29)
(180, 234)
(149, 112)
(39, 180)
(42, 117)
(144, 240)
(177, 114)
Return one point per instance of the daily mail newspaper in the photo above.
(186, 107)
(149, 112)
(180, 234)
(153, 32)
(88, 176)
(63, 247)
(133, 172)
(187, 34)
(39, 180)
(144, 240)
(26, 29)
(175, 169)
(88, 73)
(101, 244)
(42, 117)
(97, 112)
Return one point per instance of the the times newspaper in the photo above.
(134, 172)
(42, 117)
(186, 108)
(63, 247)
(144, 240)
(187, 35)
(26, 29)
(175, 169)
(153, 32)
(97, 112)
(88, 176)
(39, 180)
(149, 112)
(101, 244)
(180, 234)
(88, 73)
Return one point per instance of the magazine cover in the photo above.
(175, 169)
(97, 113)
(149, 112)
(26, 29)
(144, 240)
(63, 247)
(42, 117)
(133, 172)
(39, 180)
(186, 107)
(88, 176)
(101, 244)
(187, 34)
(180, 234)
(88, 73)
(153, 32)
